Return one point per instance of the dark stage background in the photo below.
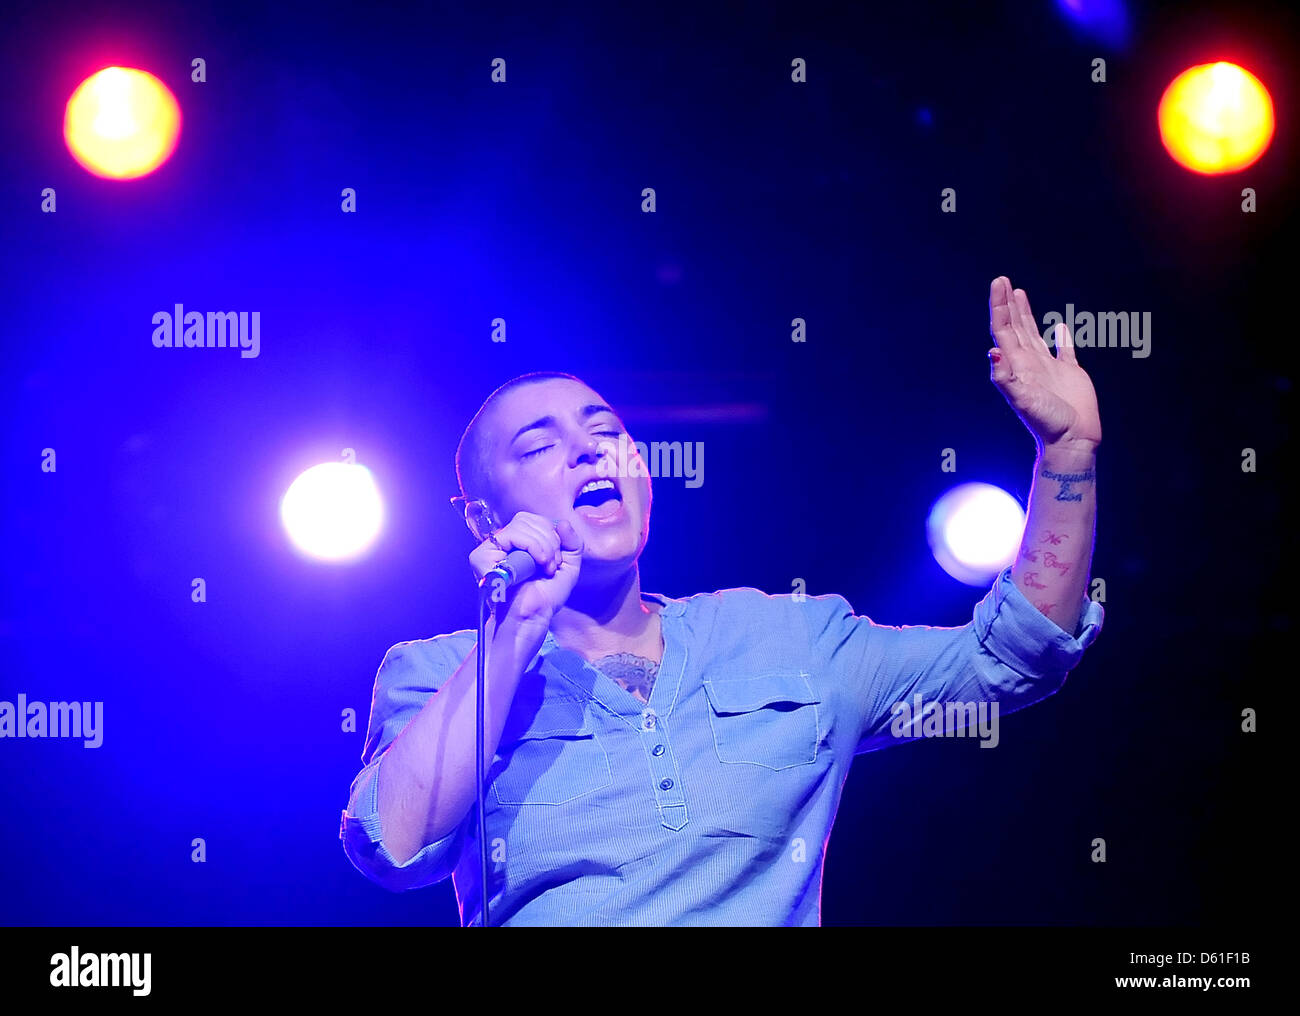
(522, 201)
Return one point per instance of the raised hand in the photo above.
(1052, 395)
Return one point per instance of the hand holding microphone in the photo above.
(542, 560)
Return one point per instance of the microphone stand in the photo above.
(491, 589)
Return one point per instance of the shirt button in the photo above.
(658, 750)
(665, 784)
(648, 719)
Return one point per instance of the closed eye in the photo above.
(538, 451)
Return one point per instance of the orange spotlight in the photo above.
(122, 123)
(1216, 118)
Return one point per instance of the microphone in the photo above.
(517, 567)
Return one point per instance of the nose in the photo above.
(585, 449)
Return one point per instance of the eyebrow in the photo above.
(586, 412)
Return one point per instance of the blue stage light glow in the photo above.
(1105, 21)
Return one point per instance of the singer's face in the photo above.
(545, 442)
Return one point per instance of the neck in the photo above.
(601, 619)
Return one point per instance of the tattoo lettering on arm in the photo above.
(1067, 482)
(1051, 569)
(1051, 561)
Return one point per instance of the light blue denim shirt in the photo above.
(711, 805)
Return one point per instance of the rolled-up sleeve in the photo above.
(409, 674)
(1009, 653)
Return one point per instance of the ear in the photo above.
(481, 519)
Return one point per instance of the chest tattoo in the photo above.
(634, 673)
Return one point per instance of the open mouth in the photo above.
(598, 499)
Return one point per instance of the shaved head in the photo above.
(472, 471)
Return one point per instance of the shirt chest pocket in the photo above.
(770, 720)
(556, 760)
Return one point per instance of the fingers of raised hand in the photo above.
(1002, 314)
(1000, 372)
(1064, 344)
(1027, 325)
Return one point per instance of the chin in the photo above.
(614, 555)
(610, 557)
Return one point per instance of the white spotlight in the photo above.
(975, 531)
(333, 511)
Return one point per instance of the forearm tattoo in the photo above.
(1067, 482)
